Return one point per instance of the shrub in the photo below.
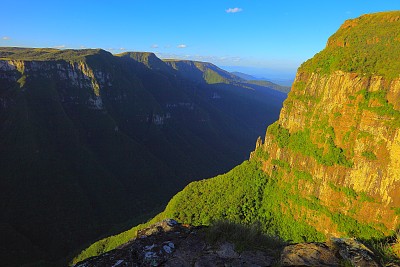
(244, 237)
(369, 155)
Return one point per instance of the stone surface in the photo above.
(227, 250)
(355, 252)
(171, 244)
(309, 254)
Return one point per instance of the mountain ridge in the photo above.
(261, 81)
(203, 71)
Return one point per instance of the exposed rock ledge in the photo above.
(169, 243)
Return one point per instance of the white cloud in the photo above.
(154, 46)
(234, 10)
(6, 38)
(182, 46)
(59, 46)
(122, 48)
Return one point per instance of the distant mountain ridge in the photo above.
(89, 140)
(262, 82)
(202, 71)
(245, 76)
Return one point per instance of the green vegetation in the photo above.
(337, 115)
(363, 134)
(244, 237)
(283, 164)
(299, 85)
(301, 142)
(385, 109)
(49, 54)
(261, 153)
(369, 155)
(284, 89)
(364, 197)
(396, 211)
(211, 76)
(386, 249)
(303, 175)
(106, 244)
(202, 72)
(349, 192)
(367, 45)
(281, 134)
(245, 197)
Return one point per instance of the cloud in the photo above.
(59, 46)
(122, 48)
(154, 46)
(234, 10)
(182, 46)
(6, 38)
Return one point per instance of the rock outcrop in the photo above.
(171, 244)
(341, 125)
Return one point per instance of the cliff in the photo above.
(341, 124)
(329, 167)
(84, 132)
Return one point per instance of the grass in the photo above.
(366, 45)
(301, 141)
(244, 237)
(349, 192)
(46, 54)
(386, 250)
(369, 155)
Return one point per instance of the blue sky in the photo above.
(274, 36)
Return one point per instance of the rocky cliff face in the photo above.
(74, 74)
(343, 128)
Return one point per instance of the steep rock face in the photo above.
(77, 74)
(343, 127)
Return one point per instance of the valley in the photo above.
(328, 167)
(92, 142)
